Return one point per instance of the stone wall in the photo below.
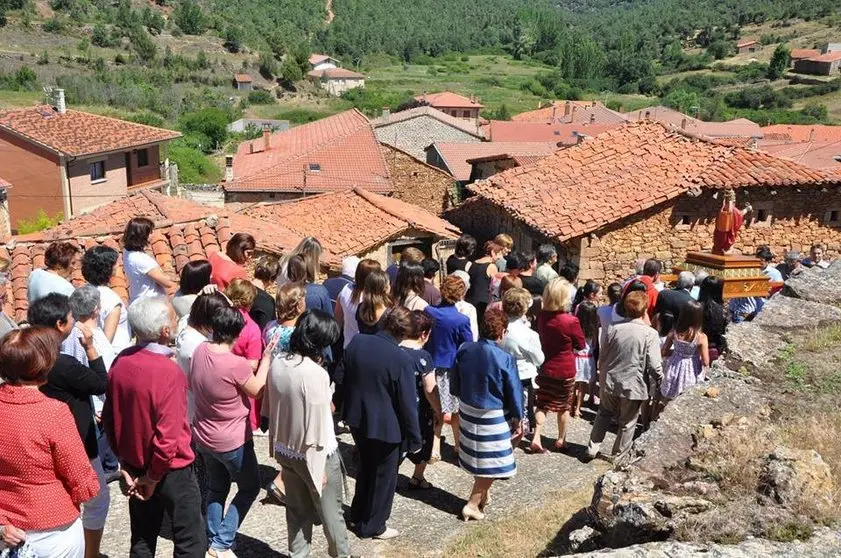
(417, 183)
(415, 134)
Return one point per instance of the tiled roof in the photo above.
(318, 58)
(568, 112)
(660, 113)
(731, 129)
(242, 78)
(828, 57)
(352, 222)
(335, 73)
(499, 130)
(798, 53)
(815, 154)
(334, 153)
(456, 155)
(78, 133)
(184, 231)
(448, 99)
(747, 41)
(624, 171)
(432, 112)
(798, 133)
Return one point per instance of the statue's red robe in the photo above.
(727, 226)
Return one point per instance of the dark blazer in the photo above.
(74, 383)
(263, 310)
(670, 301)
(380, 396)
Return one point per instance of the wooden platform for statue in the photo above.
(742, 275)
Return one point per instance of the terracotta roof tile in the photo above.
(79, 133)
(343, 147)
(499, 130)
(747, 41)
(572, 112)
(242, 78)
(798, 133)
(623, 171)
(828, 57)
(432, 112)
(815, 154)
(318, 58)
(800, 53)
(448, 99)
(352, 222)
(184, 231)
(335, 73)
(456, 155)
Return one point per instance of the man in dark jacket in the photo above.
(670, 301)
(380, 408)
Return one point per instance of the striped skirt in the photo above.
(485, 449)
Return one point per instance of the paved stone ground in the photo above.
(425, 519)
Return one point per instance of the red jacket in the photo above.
(45, 473)
(145, 413)
(560, 335)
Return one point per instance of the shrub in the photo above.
(189, 17)
(53, 25)
(38, 223)
(233, 39)
(25, 79)
(209, 122)
(147, 119)
(44, 59)
(193, 166)
(100, 36)
(260, 97)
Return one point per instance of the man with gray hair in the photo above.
(84, 305)
(145, 418)
(670, 301)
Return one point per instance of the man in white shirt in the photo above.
(816, 257)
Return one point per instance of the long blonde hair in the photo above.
(310, 251)
(557, 296)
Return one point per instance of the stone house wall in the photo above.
(415, 134)
(417, 183)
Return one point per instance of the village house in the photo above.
(356, 222)
(831, 47)
(245, 124)
(413, 130)
(646, 190)
(334, 153)
(802, 53)
(559, 133)
(453, 157)
(243, 82)
(458, 106)
(184, 231)
(336, 81)
(816, 146)
(572, 112)
(66, 162)
(748, 45)
(821, 65)
(323, 62)
(419, 183)
(736, 128)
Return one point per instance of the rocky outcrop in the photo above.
(751, 347)
(790, 476)
(817, 285)
(783, 312)
(824, 543)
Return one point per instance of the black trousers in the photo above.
(529, 402)
(178, 494)
(376, 482)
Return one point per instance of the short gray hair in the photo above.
(148, 316)
(639, 265)
(700, 275)
(84, 302)
(685, 280)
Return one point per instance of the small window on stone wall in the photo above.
(683, 221)
(761, 216)
(833, 217)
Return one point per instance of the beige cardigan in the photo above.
(297, 401)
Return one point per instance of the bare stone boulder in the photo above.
(751, 346)
(817, 285)
(791, 475)
(783, 312)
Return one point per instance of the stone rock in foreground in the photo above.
(752, 346)
(783, 312)
(791, 475)
(825, 543)
(817, 285)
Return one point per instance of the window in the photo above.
(315, 167)
(682, 221)
(833, 217)
(465, 114)
(143, 158)
(97, 171)
(762, 215)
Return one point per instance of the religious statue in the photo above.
(728, 222)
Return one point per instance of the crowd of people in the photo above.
(165, 391)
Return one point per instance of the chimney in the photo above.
(592, 119)
(812, 134)
(554, 110)
(647, 114)
(572, 118)
(251, 147)
(60, 105)
(594, 104)
(386, 114)
(229, 168)
(567, 109)
(754, 144)
(683, 124)
(267, 138)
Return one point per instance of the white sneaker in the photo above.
(389, 533)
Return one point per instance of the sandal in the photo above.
(419, 484)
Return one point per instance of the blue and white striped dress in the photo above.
(485, 449)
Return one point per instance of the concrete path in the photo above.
(425, 519)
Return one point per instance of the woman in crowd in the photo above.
(302, 439)
(381, 410)
(547, 257)
(375, 300)
(711, 297)
(560, 335)
(465, 307)
(590, 292)
(585, 359)
(486, 380)
(249, 343)
(690, 354)
(431, 268)
(221, 383)
(507, 244)
(351, 296)
(263, 310)
(523, 343)
(629, 362)
(98, 267)
(310, 250)
(317, 296)
(428, 404)
(450, 329)
(531, 282)
(410, 287)
(145, 276)
(230, 264)
(481, 273)
(7, 323)
(460, 259)
(195, 276)
(44, 474)
(55, 277)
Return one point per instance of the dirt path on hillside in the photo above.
(330, 15)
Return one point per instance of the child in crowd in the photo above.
(690, 356)
(591, 291)
(523, 343)
(429, 406)
(585, 359)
